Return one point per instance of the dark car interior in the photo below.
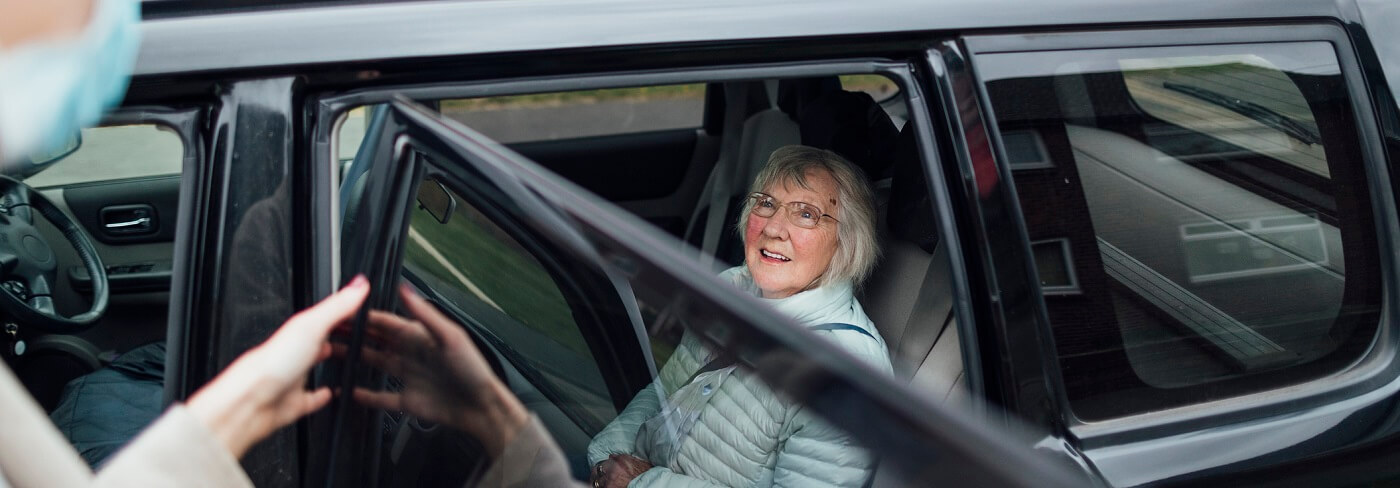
(113, 367)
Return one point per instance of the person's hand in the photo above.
(263, 390)
(446, 379)
(618, 470)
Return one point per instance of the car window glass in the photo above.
(1199, 216)
(576, 114)
(116, 152)
(481, 270)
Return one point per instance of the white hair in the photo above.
(857, 248)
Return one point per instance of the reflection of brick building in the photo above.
(1194, 260)
(1085, 328)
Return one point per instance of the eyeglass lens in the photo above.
(803, 214)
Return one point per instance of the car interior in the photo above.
(674, 179)
(121, 187)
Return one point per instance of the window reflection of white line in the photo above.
(432, 251)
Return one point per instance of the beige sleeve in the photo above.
(33, 454)
(531, 459)
(176, 451)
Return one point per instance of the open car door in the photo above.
(577, 305)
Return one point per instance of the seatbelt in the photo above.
(736, 104)
(726, 360)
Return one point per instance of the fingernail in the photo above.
(358, 281)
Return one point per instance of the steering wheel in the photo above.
(29, 268)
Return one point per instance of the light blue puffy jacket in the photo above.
(745, 435)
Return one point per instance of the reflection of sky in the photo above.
(1381, 16)
(1316, 58)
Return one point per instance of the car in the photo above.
(1124, 244)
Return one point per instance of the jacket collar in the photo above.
(811, 307)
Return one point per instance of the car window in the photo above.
(484, 272)
(116, 152)
(1200, 218)
(576, 114)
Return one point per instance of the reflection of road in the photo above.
(447, 265)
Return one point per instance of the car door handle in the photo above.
(129, 223)
(128, 220)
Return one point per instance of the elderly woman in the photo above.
(809, 238)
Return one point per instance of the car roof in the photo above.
(223, 36)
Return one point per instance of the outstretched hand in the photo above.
(264, 389)
(445, 377)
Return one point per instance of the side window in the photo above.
(578, 114)
(508, 295)
(1202, 217)
(116, 152)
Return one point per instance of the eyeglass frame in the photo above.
(758, 195)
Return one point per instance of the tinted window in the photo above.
(483, 272)
(1214, 207)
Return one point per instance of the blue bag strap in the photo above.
(842, 326)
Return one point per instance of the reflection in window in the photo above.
(494, 281)
(1212, 208)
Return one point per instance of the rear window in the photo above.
(1201, 215)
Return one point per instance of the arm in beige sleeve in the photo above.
(176, 451)
(530, 459)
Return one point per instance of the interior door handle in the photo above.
(129, 220)
(129, 223)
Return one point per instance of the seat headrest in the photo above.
(853, 125)
(795, 92)
(848, 123)
(910, 216)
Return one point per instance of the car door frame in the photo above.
(911, 77)
(1126, 450)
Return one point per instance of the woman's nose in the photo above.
(776, 226)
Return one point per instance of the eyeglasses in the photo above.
(804, 214)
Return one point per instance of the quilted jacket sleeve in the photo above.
(664, 477)
(620, 436)
(818, 454)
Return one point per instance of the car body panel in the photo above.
(260, 39)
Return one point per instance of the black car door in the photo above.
(621, 285)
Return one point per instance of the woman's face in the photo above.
(783, 258)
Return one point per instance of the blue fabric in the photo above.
(103, 410)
